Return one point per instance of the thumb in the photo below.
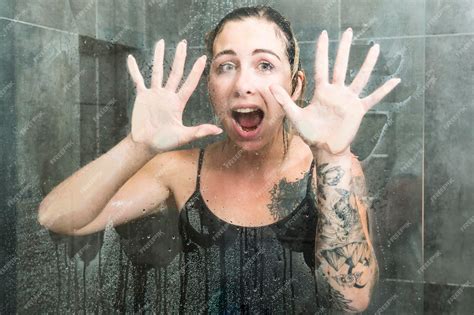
(196, 132)
(282, 97)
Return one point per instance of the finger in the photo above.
(364, 73)
(342, 58)
(157, 74)
(283, 98)
(177, 68)
(193, 79)
(321, 60)
(196, 132)
(135, 72)
(380, 93)
(271, 101)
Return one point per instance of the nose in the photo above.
(244, 83)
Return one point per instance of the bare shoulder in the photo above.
(177, 171)
(173, 165)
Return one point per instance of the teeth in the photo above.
(246, 110)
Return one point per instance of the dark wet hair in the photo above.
(292, 49)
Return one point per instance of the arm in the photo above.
(144, 193)
(346, 266)
(76, 206)
(81, 197)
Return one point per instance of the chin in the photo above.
(253, 145)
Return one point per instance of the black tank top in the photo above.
(232, 269)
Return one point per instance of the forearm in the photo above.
(346, 267)
(80, 198)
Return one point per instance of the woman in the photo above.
(257, 236)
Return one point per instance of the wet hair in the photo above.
(292, 49)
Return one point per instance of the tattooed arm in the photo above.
(346, 267)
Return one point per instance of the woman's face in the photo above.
(248, 57)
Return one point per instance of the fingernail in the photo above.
(324, 32)
(184, 41)
(349, 29)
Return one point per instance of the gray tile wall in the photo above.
(448, 185)
(66, 99)
(8, 173)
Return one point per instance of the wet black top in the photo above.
(229, 269)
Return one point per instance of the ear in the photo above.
(299, 85)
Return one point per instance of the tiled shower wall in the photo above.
(66, 98)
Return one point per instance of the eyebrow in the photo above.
(233, 53)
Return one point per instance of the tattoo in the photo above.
(328, 296)
(341, 224)
(344, 210)
(331, 176)
(343, 254)
(350, 255)
(285, 196)
(359, 188)
(349, 280)
(337, 300)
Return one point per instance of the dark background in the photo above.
(66, 97)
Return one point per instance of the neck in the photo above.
(259, 161)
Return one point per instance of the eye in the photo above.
(223, 67)
(268, 66)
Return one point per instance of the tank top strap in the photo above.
(198, 177)
(310, 177)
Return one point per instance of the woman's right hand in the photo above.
(158, 111)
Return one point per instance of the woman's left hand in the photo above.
(331, 120)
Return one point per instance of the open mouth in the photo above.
(248, 118)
